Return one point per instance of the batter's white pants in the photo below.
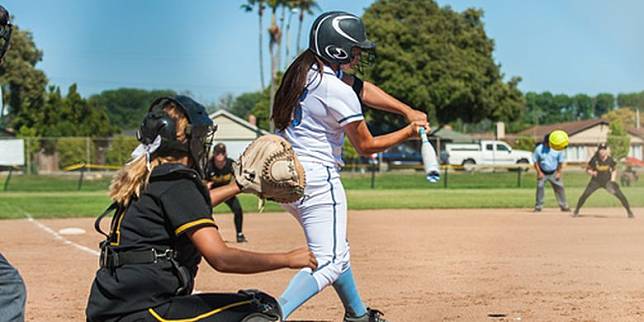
(322, 213)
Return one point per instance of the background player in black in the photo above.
(163, 227)
(219, 172)
(602, 169)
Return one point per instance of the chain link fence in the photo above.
(45, 155)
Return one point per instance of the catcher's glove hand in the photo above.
(269, 168)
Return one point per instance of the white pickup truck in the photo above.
(485, 152)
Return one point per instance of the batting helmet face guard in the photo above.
(334, 35)
(199, 133)
(5, 32)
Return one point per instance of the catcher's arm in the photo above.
(223, 193)
(232, 260)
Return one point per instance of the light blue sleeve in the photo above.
(535, 155)
(561, 157)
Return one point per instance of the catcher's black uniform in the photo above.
(148, 263)
(604, 170)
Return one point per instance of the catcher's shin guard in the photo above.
(266, 307)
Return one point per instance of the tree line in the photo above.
(431, 57)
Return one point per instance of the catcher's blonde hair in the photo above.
(134, 175)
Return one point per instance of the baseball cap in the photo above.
(219, 148)
(602, 146)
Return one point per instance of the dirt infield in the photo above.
(415, 265)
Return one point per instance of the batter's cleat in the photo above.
(565, 209)
(241, 238)
(575, 213)
(536, 210)
(630, 214)
(372, 315)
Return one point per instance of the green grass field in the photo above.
(392, 192)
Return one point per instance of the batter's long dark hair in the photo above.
(292, 86)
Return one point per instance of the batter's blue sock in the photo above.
(346, 288)
(301, 288)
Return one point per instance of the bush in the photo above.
(74, 150)
(121, 149)
(524, 143)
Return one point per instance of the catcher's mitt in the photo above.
(269, 168)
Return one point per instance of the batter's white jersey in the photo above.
(326, 105)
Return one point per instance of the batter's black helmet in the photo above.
(335, 33)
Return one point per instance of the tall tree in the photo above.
(70, 115)
(291, 5)
(244, 103)
(440, 60)
(127, 106)
(583, 106)
(275, 34)
(604, 102)
(565, 109)
(304, 7)
(24, 86)
(248, 6)
(634, 100)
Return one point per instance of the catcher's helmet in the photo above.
(199, 133)
(334, 34)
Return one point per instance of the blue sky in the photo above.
(210, 47)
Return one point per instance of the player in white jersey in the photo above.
(313, 110)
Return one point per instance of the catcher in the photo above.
(162, 224)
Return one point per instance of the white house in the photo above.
(235, 132)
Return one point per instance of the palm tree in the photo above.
(248, 6)
(275, 34)
(292, 10)
(305, 7)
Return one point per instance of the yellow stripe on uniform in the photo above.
(191, 224)
(118, 231)
(202, 316)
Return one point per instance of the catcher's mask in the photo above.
(159, 127)
(5, 32)
(334, 34)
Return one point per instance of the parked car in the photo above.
(406, 153)
(485, 152)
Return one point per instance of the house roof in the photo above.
(237, 120)
(569, 127)
(637, 132)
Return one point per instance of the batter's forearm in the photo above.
(376, 98)
(382, 142)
